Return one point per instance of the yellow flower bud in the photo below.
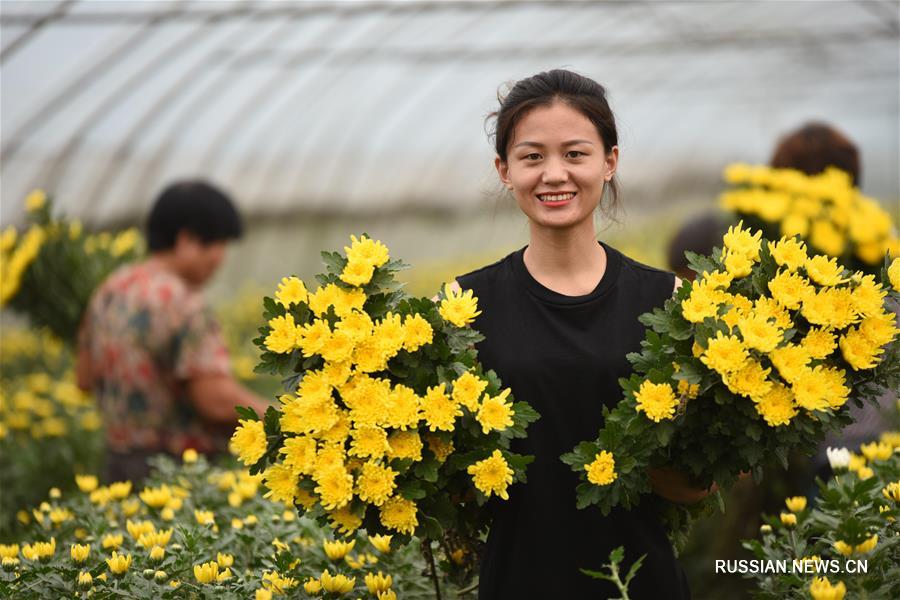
(80, 553)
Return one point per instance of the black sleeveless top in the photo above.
(564, 356)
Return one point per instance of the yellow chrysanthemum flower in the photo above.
(602, 471)
(876, 451)
(357, 273)
(376, 483)
(399, 514)
(788, 519)
(206, 573)
(867, 546)
(459, 307)
(858, 351)
(337, 549)
(790, 289)
(284, 336)
(369, 441)
(821, 589)
(824, 270)
(656, 400)
(366, 250)
(378, 583)
(467, 390)
(299, 454)
(118, 563)
(281, 482)
(79, 552)
(416, 332)
(382, 543)
(311, 338)
(826, 237)
(811, 389)
(795, 504)
(894, 274)
(819, 342)
(879, 329)
(308, 414)
(789, 252)
(742, 242)
(837, 392)
(790, 360)
(336, 584)
(334, 486)
(249, 439)
(777, 406)
(344, 520)
(750, 380)
(724, 353)
(405, 445)
(291, 290)
(492, 475)
(86, 483)
(831, 307)
(440, 447)
(439, 410)
(495, 414)
(338, 347)
(868, 295)
(737, 265)
(759, 333)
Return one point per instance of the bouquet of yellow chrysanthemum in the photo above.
(826, 210)
(756, 358)
(389, 421)
(50, 272)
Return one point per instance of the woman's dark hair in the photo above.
(815, 147)
(195, 206)
(581, 93)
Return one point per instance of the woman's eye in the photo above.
(574, 154)
(533, 156)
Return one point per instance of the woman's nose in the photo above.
(554, 173)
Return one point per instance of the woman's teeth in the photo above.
(555, 197)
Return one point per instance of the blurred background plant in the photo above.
(50, 271)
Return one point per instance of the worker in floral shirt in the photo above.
(151, 350)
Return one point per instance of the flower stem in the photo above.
(429, 558)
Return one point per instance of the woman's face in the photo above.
(556, 166)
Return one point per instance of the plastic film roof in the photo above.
(311, 107)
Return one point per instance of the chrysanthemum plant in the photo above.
(389, 422)
(50, 271)
(755, 359)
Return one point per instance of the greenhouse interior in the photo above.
(305, 299)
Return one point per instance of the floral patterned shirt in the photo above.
(146, 333)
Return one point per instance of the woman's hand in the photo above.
(674, 486)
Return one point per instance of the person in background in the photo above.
(816, 146)
(699, 234)
(150, 348)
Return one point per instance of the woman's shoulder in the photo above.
(486, 275)
(646, 276)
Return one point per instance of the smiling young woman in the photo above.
(559, 317)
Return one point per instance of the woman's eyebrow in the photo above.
(539, 145)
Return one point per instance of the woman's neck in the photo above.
(568, 261)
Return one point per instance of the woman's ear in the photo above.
(503, 171)
(612, 163)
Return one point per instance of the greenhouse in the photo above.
(372, 227)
